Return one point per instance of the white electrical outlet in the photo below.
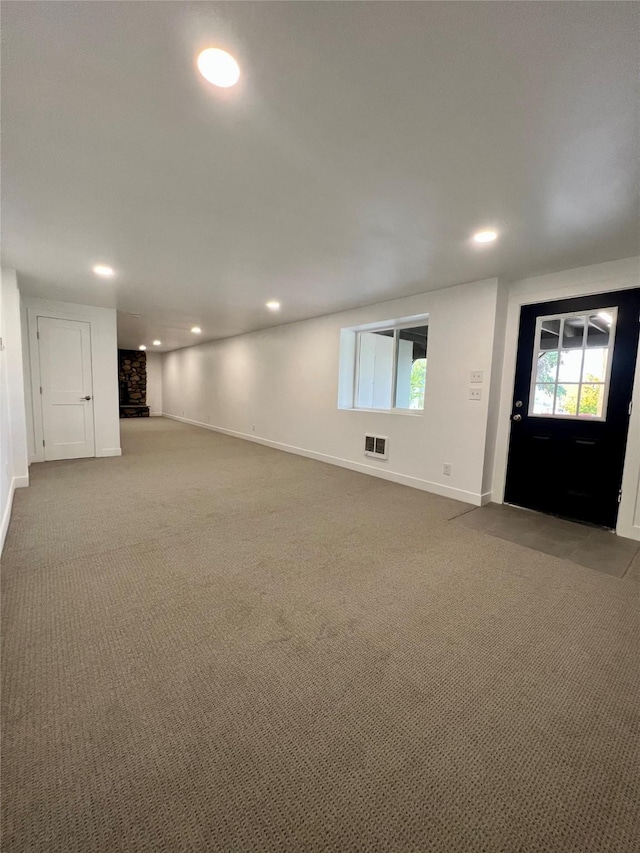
(475, 393)
(476, 377)
(446, 469)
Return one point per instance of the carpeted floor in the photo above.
(214, 646)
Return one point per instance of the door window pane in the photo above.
(591, 400)
(547, 367)
(543, 400)
(550, 334)
(570, 369)
(567, 399)
(572, 332)
(595, 365)
(599, 329)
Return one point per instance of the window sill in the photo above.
(412, 413)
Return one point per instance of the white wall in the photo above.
(14, 470)
(104, 359)
(154, 383)
(599, 278)
(284, 381)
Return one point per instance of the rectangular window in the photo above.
(391, 367)
(572, 365)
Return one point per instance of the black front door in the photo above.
(571, 405)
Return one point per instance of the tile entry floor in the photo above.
(588, 546)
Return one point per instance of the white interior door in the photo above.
(67, 389)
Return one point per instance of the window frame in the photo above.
(613, 311)
(395, 327)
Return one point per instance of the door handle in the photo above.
(88, 397)
(516, 418)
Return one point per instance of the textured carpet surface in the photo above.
(209, 645)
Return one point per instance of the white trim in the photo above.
(585, 281)
(629, 512)
(389, 325)
(16, 483)
(34, 313)
(402, 479)
(99, 320)
(413, 413)
(6, 518)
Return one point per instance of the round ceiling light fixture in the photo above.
(196, 330)
(485, 236)
(157, 343)
(273, 305)
(103, 270)
(218, 67)
(142, 347)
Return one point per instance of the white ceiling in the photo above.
(363, 146)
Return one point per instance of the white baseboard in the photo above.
(110, 451)
(21, 482)
(6, 515)
(155, 414)
(629, 531)
(361, 467)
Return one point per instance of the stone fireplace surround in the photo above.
(132, 382)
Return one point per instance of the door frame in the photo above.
(104, 368)
(87, 402)
(36, 382)
(585, 281)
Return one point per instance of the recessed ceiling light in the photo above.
(485, 236)
(142, 347)
(273, 305)
(103, 270)
(157, 343)
(196, 330)
(218, 67)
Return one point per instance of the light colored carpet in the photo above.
(214, 646)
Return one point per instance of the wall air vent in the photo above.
(375, 445)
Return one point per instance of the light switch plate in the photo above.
(476, 376)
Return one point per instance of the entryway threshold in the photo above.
(591, 547)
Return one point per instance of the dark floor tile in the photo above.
(590, 547)
(564, 531)
(633, 572)
(547, 546)
(602, 559)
